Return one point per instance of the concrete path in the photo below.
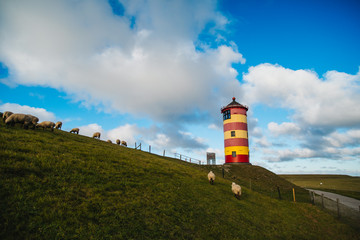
(350, 202)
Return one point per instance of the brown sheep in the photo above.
(34, 120)
(75, 130)
(109, 141)
(23, 119)
(58, 125)
(124, 143)
(6, 114)
(46, 124)
(96, 135)
(118, 141)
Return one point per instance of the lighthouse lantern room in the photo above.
(236, 144)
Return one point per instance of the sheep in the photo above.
(124, 143)
(46, 124)
(58, 125)
(23, 119)
(118, 141)
(109, 141)
(34, 120)
(236, 189)
(96, 135)
(75, 130)
(6, 114)
(211, 177)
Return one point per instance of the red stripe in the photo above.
(237, 159)
(236, 142)
(238, 111)
(235, 126)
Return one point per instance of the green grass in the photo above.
(341, 184)
(57, 185)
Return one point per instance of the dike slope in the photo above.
(57, 185)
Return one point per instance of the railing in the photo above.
(177, 155)
(187, 158)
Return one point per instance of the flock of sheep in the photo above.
(28, 120)
(235, 188)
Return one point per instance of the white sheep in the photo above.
(96, 135)
(118, 141)
(236, 189)
(23, 119)
(124, 143)
(46, 124)
(6, 114)
(211, 177)
(75, 130)
(58, 125)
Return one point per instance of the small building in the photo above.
(236, 144)
(210, 158)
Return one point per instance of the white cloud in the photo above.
(262, 142)
(41, 113)
(289, 154)
(152, 67)
(337, 139)
(285, 128)
(332, 101)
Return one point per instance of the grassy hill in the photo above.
(57, 185)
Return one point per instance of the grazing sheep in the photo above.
(236, 189)
(211, 177)
(58, 125)
(96, 135)
(109, 141)
(75, 130)
(23, 119)
(118, 141)
(46, 124)
(124, 143)
(6, 114)
(34, 120)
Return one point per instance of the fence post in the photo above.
(149, 148)
(294, 194)
(322, 200)
(313, 193)
(338, 207)
(164, 153)
(312, 197)
(279, 192)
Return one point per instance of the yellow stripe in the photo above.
(236, 118)
(239, 150)
(238, 134)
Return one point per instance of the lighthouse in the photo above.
(236, 144)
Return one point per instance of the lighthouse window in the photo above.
(233, 133)
(234, 154)
(226, 114)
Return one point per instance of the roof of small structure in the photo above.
(234, 104)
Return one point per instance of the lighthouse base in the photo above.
(243, 159)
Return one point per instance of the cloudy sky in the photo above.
(158, 72)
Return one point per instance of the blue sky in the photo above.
(158, 72)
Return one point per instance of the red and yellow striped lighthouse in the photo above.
(236, 142)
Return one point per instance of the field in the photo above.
(57, 185)
(341, 184)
